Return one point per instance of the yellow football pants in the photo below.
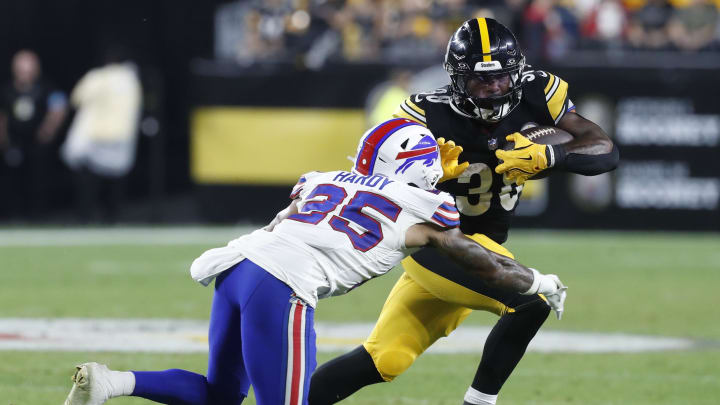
(421, 308)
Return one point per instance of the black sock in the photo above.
(506, 344)
(340, 377)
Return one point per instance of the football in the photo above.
(543, 135)
(546, 136)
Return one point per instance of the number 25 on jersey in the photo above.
(325, 199)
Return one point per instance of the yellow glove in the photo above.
(524, 161)
(449, 160)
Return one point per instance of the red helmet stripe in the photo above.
(415, 153)
(365, 161)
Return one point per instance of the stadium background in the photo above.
(248, 95)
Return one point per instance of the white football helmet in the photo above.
(402, 150)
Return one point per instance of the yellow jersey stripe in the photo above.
(484, 39)
(415, 107)
(401, 113)
(556, 103)
(550, 83)
(553, 89)
(412, 112)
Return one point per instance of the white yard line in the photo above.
(120, 236)
(186, 336)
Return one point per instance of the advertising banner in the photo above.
(665, 124)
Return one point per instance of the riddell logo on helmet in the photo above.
(493, 65)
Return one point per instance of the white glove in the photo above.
(557, 300)
(552, 288)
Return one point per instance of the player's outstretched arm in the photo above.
(289, 210)
(494, 269)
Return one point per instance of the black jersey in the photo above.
(485, 199)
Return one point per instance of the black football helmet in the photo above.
(482, 51)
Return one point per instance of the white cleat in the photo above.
(92, 385)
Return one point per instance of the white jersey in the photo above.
(349, 229)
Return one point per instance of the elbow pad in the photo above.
(587, 165)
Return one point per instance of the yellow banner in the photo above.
(274, 146)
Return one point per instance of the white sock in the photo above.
(122, 382)
(473, 396)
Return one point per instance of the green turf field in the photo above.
(655, 284)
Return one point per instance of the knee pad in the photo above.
(392, 363)
(393, 360)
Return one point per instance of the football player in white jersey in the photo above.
(341, 229)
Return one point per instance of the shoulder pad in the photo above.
(554, 91)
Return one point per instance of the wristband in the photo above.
(535, 284)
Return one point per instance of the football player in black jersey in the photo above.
(492, 95)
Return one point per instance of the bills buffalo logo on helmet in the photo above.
(425, 151)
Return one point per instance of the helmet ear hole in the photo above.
(404, 144)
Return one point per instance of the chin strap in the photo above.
(457, 109)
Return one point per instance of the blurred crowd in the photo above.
(316, 31)
(101, 116)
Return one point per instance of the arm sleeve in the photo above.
(587, 165)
